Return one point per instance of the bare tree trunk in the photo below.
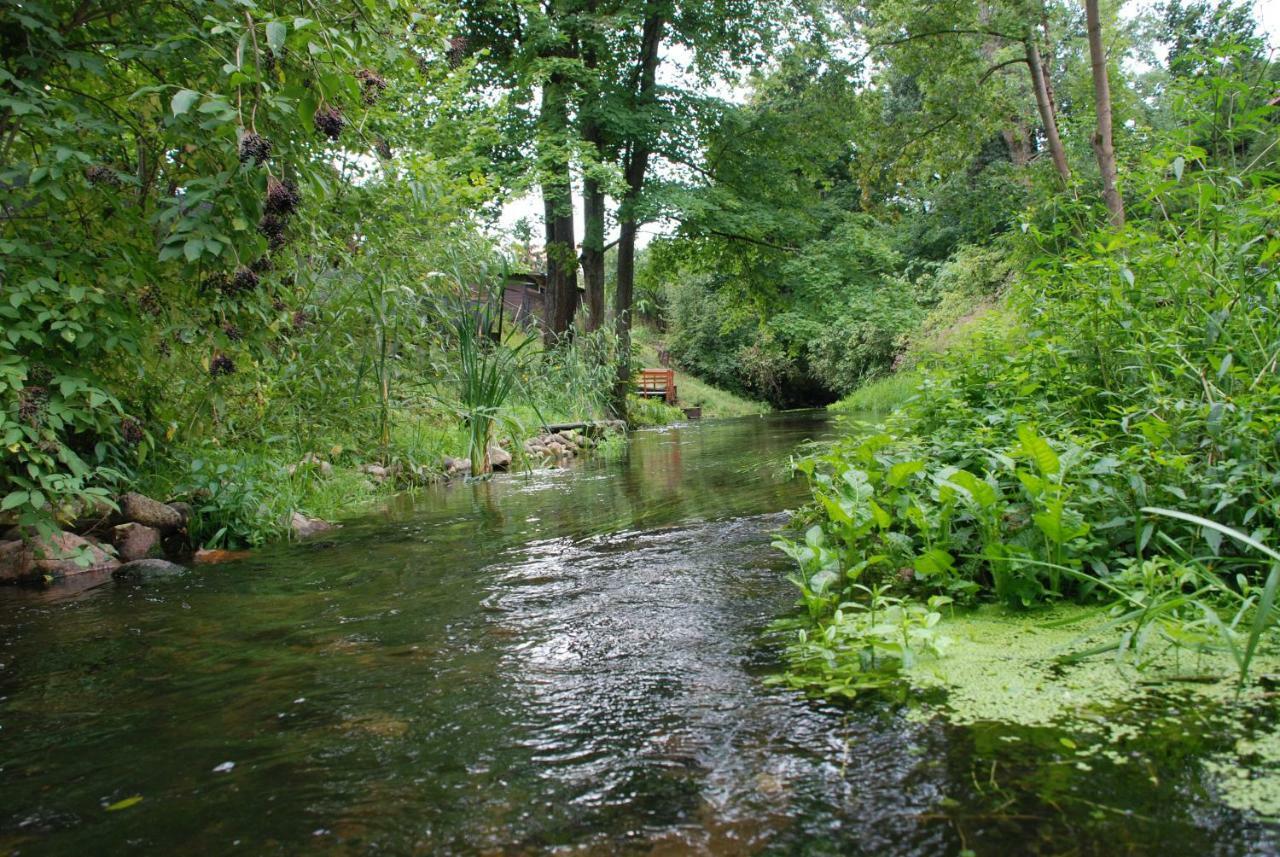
(561, 299)
(1102, 144)
(593, 210)
(1048, 116)
(637, 164)
(593, 197)
(1017, 140)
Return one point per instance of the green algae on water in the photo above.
(1006, 667)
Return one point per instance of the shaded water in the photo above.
(567, 662)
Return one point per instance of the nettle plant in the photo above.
(888, 515)
(162, 167)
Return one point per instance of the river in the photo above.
(563, 662)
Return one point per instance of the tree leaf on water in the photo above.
(125, 804)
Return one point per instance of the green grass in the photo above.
(881, 396)
(694, 393)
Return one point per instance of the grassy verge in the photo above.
(693, 392)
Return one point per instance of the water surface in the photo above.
(567, 662)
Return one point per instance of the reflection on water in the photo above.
(570, 661)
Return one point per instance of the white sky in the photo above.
(529, 206)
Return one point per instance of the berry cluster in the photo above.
(100, 175)
(221, 364)
(457, 51)
(329, 121)
(31, 405)
(131, 431)
(254, 147)
(371, 84)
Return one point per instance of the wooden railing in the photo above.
(657, 383)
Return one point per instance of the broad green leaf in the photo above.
(183, 100)
(933, 562)
(1038, 450)
(13, 500)
(275, 35)
(899, 472)
(981, 491)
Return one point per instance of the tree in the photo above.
(1102, 143)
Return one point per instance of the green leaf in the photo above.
(14, 499)
(183, 100)
(275, 35)
(933, 562)
(125, 804)
(1038, 450)
(882, 518)
(981, 492)
(899, 472)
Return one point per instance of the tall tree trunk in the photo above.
(1048, 116)
(1017, 141)
(593, 209)
(561, 298)
(1102, 144)
(593, 197)
(637, 164)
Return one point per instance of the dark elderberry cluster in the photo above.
(100, 175)
(232, 332)
(329, 121)
(282, 197)
(149, 301)
(131, 431)
(31, 405)
(457, 51)
(254, 147)
(243, 280)
(383, 148)
(282, 200)
(371, 85)
(221, 364)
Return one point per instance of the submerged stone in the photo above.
(148, 569)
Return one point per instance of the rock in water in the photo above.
(16, 561)
(302, 526)
(499, 458)
(135, 541)
(148, 569)
(143, 510)
(64, 553)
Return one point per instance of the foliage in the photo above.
(1139, 376)
(183, 186)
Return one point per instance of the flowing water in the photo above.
(570, 662)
